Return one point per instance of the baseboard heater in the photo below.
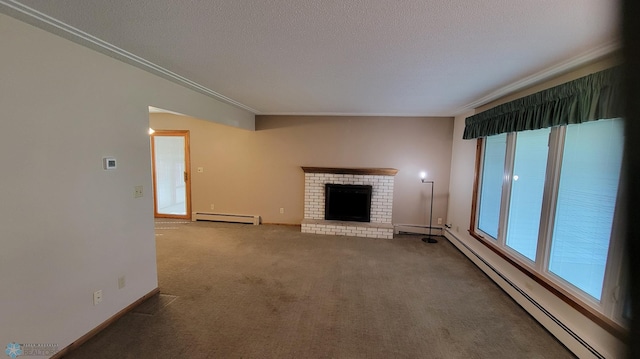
(542, 309)
(416, 229)
(225, 217)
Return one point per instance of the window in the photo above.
(492, 172)
(590, 173)
(527, 186)
(547, 199)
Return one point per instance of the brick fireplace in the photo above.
(381, 180)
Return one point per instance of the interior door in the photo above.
(171, 174)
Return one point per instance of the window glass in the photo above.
(626, 312)
(527, 187)
(491, 184)
(586, 202)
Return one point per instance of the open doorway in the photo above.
(171, 174)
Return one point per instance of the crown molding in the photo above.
(55, 26)
(546, 74)
(350, 114)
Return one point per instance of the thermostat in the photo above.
(109, 163)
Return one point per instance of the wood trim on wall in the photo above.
(600, 319)
(187, 168)
(352, 171)
(92, 333)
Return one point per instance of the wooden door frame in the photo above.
(187, 169)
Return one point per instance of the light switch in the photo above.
(200, 169)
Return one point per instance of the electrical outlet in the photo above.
(213, 206)
(137, 192)
(281, 210)
(439, 220)
(121, 282)
(97, 297)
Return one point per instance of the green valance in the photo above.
(593, 97)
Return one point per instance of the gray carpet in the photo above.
(242, 291)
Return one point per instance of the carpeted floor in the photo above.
(243, 291)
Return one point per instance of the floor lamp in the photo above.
(429, 238)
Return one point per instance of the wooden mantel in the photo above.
(352, 171)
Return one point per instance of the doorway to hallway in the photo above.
(171, 174)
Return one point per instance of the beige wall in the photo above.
(461, 187)
(259, 172)
(67, 227)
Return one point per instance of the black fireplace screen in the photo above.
(346, 202)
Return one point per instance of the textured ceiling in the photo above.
(387, 57)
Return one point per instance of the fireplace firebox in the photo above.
(348, 202)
